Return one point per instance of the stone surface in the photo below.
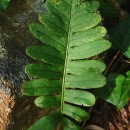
(15, 109)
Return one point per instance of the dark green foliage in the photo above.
(120, 37)
(122, 2)
(65, 70)
(108, 9)
(4, 4)
(117, 90)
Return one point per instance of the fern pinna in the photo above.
(72, 35)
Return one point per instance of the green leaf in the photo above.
(95, 46)
(42, 70)
(47, 54)
(65, 69)
(47, 122)
(117, 90)
(79, 97)
(80, 67)
(120, 37)
(48, 101)
(53, 122)
(75, 112)
(69, 125)
(86, 81)
(87, 36)
(4, 4)
(40, 87)
(47, 36)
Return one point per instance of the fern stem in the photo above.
(66, 58)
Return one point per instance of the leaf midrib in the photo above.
(66, 58)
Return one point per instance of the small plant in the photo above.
(65, 75)
(118, 90)
(64, 72)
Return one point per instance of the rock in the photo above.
(14, 38)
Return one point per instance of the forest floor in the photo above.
(17, 112)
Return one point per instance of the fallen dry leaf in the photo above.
(93, 127)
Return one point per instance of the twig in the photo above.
(124, 65)
(111, 63)
(127, 61)
(87, 119)
(119, 9)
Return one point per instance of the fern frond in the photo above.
(71, 33)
